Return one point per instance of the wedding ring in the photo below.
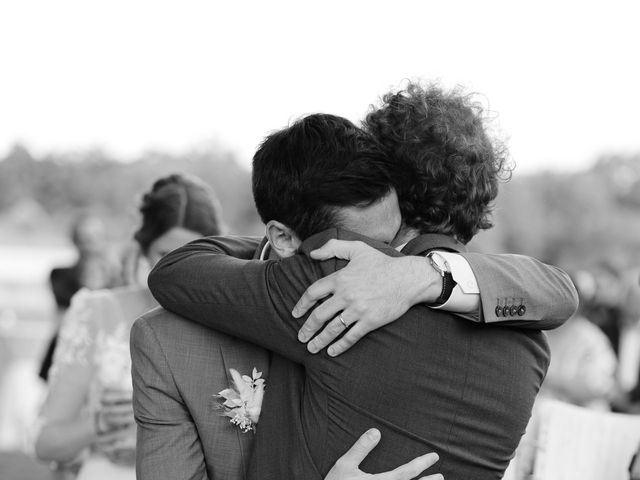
(342, 321)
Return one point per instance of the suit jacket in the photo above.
(430, 381)
(177, 368)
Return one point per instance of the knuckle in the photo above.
(319, 315)
(350, 297)
(309, 293)
(310, 323)
(335, 328)
(305, 329)
(342, 463)
(359, 306)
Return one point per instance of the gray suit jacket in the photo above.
(430, 381)
(177, 367)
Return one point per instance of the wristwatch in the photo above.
(442, 267)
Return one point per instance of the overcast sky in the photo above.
(562, 77)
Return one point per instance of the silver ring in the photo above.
(342, 321)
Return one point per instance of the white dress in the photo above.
(93, 354)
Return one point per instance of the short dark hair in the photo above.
(178, 200)
(303, 172)
(448, 165)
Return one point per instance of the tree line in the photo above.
(565, 218)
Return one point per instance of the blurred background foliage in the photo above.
(572, 219)
(576, 220)
(40, 197)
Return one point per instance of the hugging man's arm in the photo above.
(375, 289)
(249, 299)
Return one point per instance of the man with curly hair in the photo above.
(449, 166)
(430, 381)
(447, 170)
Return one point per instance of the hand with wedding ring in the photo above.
(347, 466)
(373, 290)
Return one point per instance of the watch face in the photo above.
(439, 262)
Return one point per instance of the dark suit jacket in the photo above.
(429, 381)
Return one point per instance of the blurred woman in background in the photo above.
(583, 362)
(97, 267)
(86, 423)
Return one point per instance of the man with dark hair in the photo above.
(324, 172)
(305, 175)
(178, 366)
(430, 381)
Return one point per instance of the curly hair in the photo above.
(448, 167)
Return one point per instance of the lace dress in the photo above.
(93, 354)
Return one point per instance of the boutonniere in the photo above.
(243, 400)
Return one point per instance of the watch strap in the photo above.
(448, 284)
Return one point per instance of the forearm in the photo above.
(422, 283)
(62, 441)
(248, 299)
(194, 276)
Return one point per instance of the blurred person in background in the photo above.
(583, 362)
(604, 307)
(97, 267)
(86, 422)
(628, 399)
(634, 467)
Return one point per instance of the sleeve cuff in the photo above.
(465, 297)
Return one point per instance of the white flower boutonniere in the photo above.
(243, 400)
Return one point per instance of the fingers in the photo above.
(415, 467)
(319, 318)
(115, 396)
(317, 291)
(116, 436)
(117, 409)
(361, 448)
(331, 331)
(353, 335)
(343, 249)
(118, 419)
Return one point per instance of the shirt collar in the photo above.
(264, 254)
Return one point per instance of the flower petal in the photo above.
(241, 385)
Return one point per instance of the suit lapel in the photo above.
(235, 355)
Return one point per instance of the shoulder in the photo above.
(85, 307)
(90, 298)
(167, 328)
(319, 239)
(107, 307)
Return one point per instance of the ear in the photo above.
(282, 239)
